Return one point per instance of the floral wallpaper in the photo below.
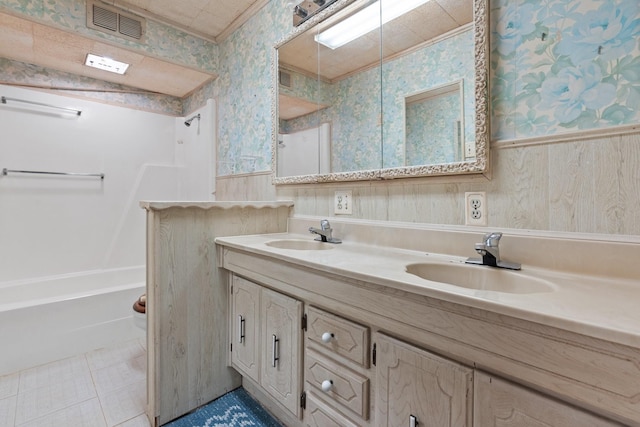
(563, 65)
(447, 61)
(434, 120)
(243, 90)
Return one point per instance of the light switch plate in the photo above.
(343, 202)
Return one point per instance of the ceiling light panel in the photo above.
(365, 21)
(106, 64)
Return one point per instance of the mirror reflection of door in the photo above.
(434, 126)
(305, 152)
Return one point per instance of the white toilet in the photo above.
(140, 312)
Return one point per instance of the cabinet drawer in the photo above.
(341, 336)
(344, 386)
(319, 414)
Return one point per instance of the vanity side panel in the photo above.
(152, 362)
(189, 303)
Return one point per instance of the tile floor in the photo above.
(102, 388)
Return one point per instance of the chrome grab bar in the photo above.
(6, 171)
(4, 100)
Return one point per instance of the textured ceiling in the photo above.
(405, 33)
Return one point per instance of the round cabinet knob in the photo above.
(327, 385)
(327, 337)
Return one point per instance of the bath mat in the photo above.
(233, 409)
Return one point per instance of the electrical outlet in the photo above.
(342, 202)
(475, 208)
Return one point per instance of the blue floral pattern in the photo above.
(564, 65)
(433, 120)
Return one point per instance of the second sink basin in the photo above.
(480, 278)
(300, 245)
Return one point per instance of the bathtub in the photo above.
(51, 318)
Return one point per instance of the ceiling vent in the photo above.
(114, 21)
(284, 78)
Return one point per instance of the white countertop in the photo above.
(596, 306)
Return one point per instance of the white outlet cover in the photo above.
(343, 202)
(475, 208)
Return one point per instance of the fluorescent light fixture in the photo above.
(106, 64)
(366, 20)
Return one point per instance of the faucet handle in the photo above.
(492, 239)
(324, 224)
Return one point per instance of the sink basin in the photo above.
(480, 278)
(300, 245)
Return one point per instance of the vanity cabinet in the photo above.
(378, 355)
(499, 402)
(268, 340)
(418, 388)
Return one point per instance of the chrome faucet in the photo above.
(490, 251)
(324, 232)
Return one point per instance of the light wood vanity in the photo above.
(345, 337)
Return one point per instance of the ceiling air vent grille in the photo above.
(105, 18)
(114, 21)
(284, 78)
(130, 27)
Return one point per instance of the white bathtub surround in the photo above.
(55, 225)
(53, 318)
(64, 238)
(101, 388)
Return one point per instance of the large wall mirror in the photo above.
(402, 93)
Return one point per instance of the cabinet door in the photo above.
(245, 334)
(415, 387)
(501, 403)
(281, 348)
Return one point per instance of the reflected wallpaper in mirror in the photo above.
(435, 115)
(426, 69)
